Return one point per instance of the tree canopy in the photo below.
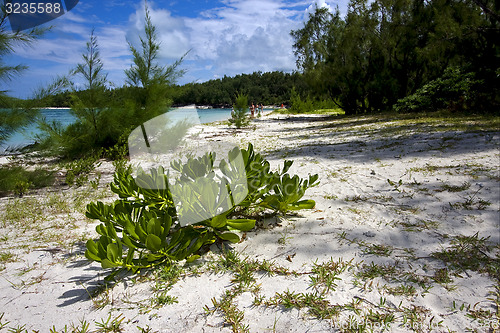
(385, 50)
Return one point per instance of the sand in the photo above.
(391, 193)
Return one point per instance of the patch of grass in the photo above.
(454, 188)
(379, 250)
(6, 257)
(418, 225)
(471, 253)
(78, 171)
(84, 327)
(392, 273)
(402, 290)
(23, 212)
(442, 276)
(167, 276)
(163, 299)
(324, 276)
(19, 180)
(373, 270)
(232, 315)
(430, 169)
(3, 324)
(18, 329)
(243, 280)
(472, 202)
(110, 325)
(100, 296)
(317, 305)
(355, 210)
(284, 239)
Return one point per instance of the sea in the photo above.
(27, 135)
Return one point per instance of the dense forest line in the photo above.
(270, 88)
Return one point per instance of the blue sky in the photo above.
(225, 37)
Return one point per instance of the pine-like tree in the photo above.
(152, 80)
(239, 115)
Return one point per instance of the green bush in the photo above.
(454, 90)
(142, 230)
(297, 105)
(18, 180)
(78, 170)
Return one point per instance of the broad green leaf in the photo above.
(102, 245)
(105, 263)
(91, 246)
(153, 243)
(218, 222)
(127, 241)
(229, 236)
(154, 227)
(286, 166)
(111, 231)
(92, 256)
(193, 258)
(113, 253)
(130, 229)
(140, 233)
(312, 180)
(153, 257)
(167, 224)
(101, 230)
(304, 204)
(241, 224)
(130, 256)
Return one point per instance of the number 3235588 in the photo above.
(33, 8)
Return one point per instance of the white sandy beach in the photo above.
(391, 193)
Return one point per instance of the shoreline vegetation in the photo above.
(404, 235)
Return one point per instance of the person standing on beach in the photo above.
(252, 110)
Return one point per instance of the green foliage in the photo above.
(103, 121)
(471, 253)
(19, 180)
(97, 125)
(12, 120)
(271, 88)
(454, 90)
(149, 82)
(287, 193)
(239, 115)
(297, 105)
(382, 51)
(78, 171)
(142, 229)
(146, 71)
(11, 116)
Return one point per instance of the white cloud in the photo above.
(245, 36)
(113, 46)
(318, 4)
(171, 31)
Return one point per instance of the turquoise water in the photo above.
(26, 136)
